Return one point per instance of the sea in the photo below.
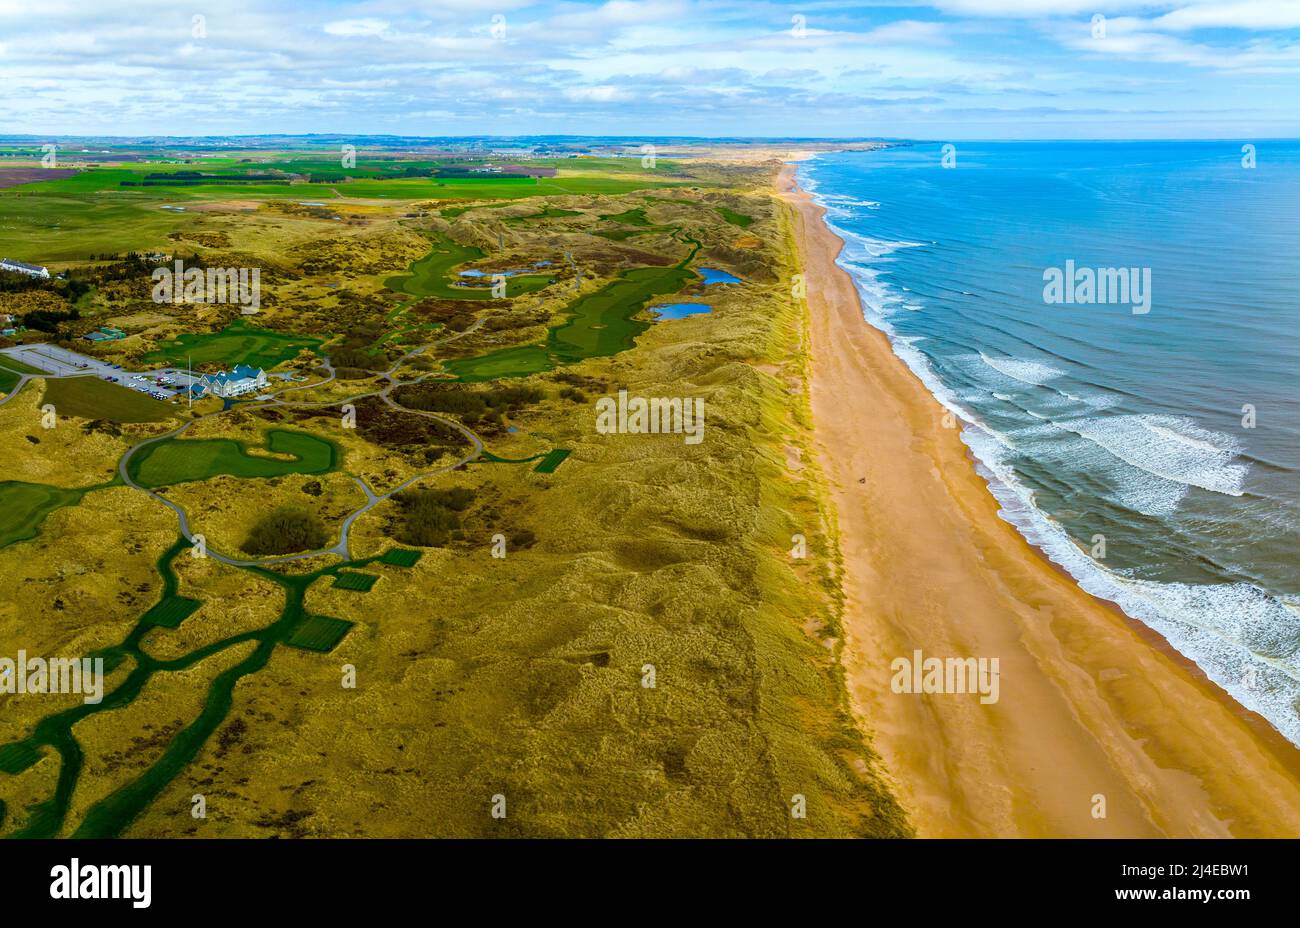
(1149, 446)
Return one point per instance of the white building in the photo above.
(243, 379)
(31, 270)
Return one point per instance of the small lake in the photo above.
(712, 275)
(680, 310)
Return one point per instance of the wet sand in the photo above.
(1092, 708)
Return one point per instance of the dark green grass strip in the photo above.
(351, 580)
(319, 633)
(401, 557)
(553, 459)
(172, 611)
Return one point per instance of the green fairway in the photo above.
(24, 506)
(735, 218)
(180, 460)
(89, 397)
(238, 343)
(631, 217)
(319, 633)
(431, 275)
(596, 325)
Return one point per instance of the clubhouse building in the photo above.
(243, 379)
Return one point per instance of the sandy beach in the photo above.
(1091, 704)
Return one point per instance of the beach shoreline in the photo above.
(1096, 713)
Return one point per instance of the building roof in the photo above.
(7, 262)
(241, 372)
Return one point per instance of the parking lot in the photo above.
(161, 383)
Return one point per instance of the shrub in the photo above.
(430, 518)
(285, 531)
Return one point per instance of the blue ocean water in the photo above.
(1154, 455)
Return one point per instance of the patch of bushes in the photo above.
(473, 407)
(286, 531)
(430, 517)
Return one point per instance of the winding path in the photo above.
(341, 547)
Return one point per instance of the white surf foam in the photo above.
(1171, 447)
(1034, 373)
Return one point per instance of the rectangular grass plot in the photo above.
(400, 557)
(319, 633)
(553, 459)
(172, 611)
(351, 580)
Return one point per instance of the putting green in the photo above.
(181, 460)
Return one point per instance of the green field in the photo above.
(181, 460)
(631, 217)
(352, 580)
(319, 633)
(431, 275)
(24, 506)
(553, 459)
(10, 371)
(89, 397)
(735, 218)
(171, 611)
(401, 557)
(238, 343)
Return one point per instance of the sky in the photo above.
(920, 69)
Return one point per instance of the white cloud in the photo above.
(1242, 14)
(369, 27)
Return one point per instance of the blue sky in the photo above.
(947, 69)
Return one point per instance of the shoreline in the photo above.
(1090, 704)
